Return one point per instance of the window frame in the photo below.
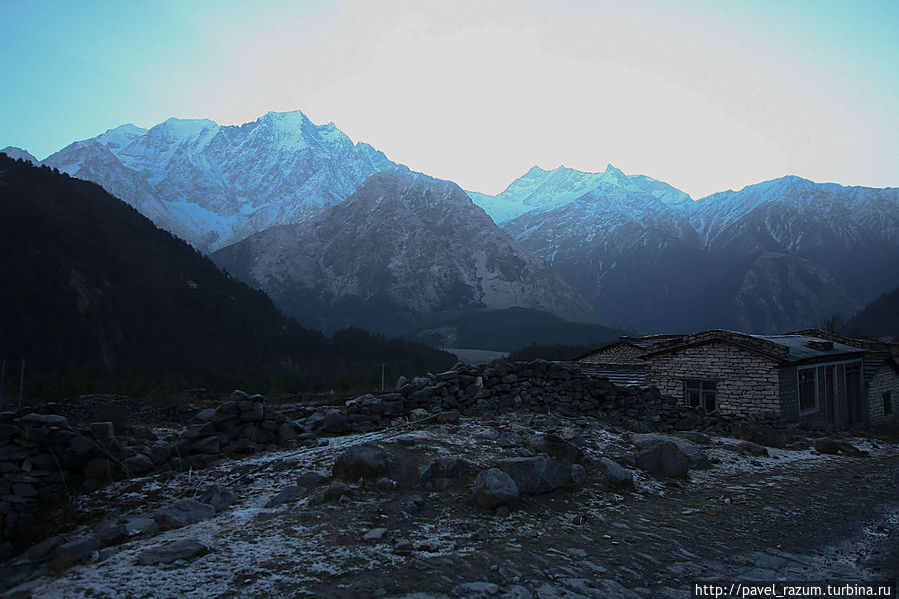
(887, 403)
(703, 387)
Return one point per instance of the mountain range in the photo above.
(93, 288)
(771, 257)
(338, 234)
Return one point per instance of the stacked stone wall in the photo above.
(45, 461)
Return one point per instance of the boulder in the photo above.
(761, 434)
(750, 448)
(210, 445)
(182, 513)
(219, 497)
(138, 464)
(564, 450)
(827, 445)
(694, 453)
(834, 446)
(535, 475)
(448, 417)
(205, 415)
(447, 467)
(494, 488)
(75, 551)
(337, 489)
(617, 475)
(334, 422)
(310, 479)
(170, 552)
(363, 461)
(111, 533)
(287, 432)
(664, 459)
(286, 494)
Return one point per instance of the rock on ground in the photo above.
(618, 476)
(694, 453)
(182, 513)
(665, 460)
(362, 461)
(166, 554)
(494, 488)
(535, 475)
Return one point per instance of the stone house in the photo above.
(805, 376)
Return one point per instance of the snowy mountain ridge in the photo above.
(214, 185)
(779, 255)
(553, 189)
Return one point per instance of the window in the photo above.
(701, 394)
(887, 403)
(808, 396)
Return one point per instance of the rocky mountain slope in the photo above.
(401, 251)
(775, 256)
(90, 285)
(214, 185)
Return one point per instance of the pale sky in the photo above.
(705, 95)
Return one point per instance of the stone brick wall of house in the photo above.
(616, 354)
(746, 383)
(885, 381)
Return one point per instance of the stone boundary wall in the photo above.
(44, 460)
(560, 388)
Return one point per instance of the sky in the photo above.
(705, 95)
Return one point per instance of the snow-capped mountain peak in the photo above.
(120, 137)
(555, 188)
(215, 185)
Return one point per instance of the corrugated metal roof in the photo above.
(619, 376)
(799, 348)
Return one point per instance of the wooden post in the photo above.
(21, 383)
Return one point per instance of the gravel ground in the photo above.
(792, 515)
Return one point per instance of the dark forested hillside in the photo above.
(880, 318)
(88, 284)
